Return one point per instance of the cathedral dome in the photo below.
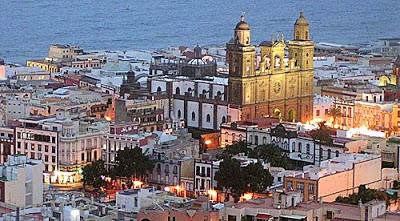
(301, 20)
(242, 25)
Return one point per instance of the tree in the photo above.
(334, 112)
(364, 195)
(236, 148)
(228, 168)
(132, 163)
(93, 174)
(273, 155)
(252, 178)
(258, 179)
(322, 134)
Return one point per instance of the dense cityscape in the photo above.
(285, 129)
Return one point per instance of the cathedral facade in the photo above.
(273, 80)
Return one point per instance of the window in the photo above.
(53, 139)
(193, 116)
(300, 186)
(197, 170)
(311, 188)
(264, 140)
(299, 147)
(329, 153)
(46, 158)
(39, 147)
(53, 149)
(256, 140)
(53, 159)
(83, 157)
(308, 148)
(337, 153)
(46, 148)
(223, 119)
(208, 118)
(179, 114)
(159, 89)
(317, 113)
(208, 171)
(177, 91)
(326, 111)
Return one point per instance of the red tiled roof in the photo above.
(263, 216)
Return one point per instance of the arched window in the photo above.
(175, 169)
(179, 114)
(337, 153)
(189, 90)
(299, 147)
(208, 118)
(329, 153)
(293, 147)
(159, 89)
(83, 157)
(167, 169)
(158, 168)
(264, 140)
(285, 145)
(95, 155)
(177, 91)
(250, 138)
(256, 140)
(193, 116)
(223, 119)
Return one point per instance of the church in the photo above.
(274, 79)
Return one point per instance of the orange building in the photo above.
(337, 177)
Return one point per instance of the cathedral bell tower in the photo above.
(241, 60)
(301, 52)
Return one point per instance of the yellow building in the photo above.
(269, 83)
(45, 65)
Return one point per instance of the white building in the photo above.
(321, 106)
(125, 135)
(21, 182)
(132, 200)
(205, 170)
(17, 107)
(63, 143)
(201, 103)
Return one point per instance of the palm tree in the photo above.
(334, 112)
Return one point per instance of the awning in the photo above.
(263, 216)
(298, 217)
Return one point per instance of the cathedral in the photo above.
(274, 79)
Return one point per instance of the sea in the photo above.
(28, 27)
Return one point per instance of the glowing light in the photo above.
(107, 118)
(137, 184)
(212, 194)
(207, 142)
(247, 196)
(178, 188)
(167, 189)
